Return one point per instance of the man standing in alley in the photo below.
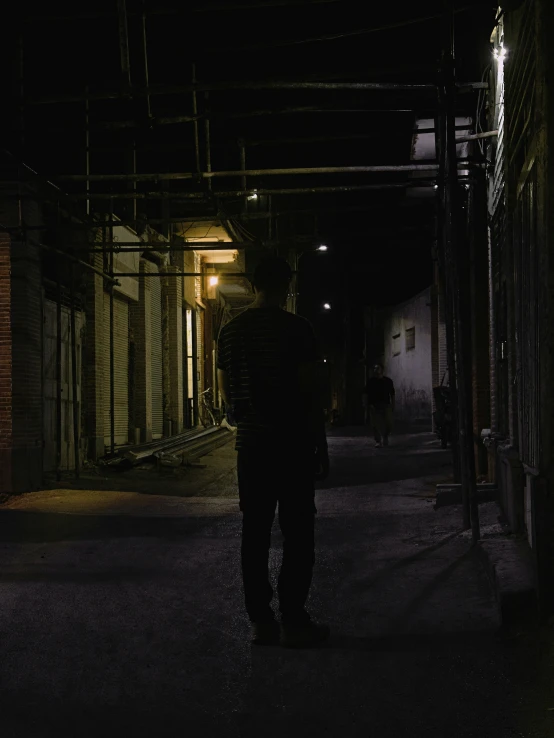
(267, 371)
(380, 397)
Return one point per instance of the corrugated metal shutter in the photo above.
(121, 370)
(200, 349)
(157, 361)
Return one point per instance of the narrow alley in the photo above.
(121, 620)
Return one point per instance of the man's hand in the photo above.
(322, 463)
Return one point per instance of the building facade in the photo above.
(104, 342)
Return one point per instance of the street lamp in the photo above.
(323, 247)
(326, 306)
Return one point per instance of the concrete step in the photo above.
(508, 563)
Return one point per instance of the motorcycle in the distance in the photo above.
(443, 414)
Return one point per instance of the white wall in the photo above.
(410, 370)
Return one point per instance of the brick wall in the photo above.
(5, 367)
(27, 353)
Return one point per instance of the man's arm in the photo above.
(224, 385)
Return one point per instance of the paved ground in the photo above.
(121, 614)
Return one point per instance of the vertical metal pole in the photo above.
(458, 259)
(194, 327)
(58, 372)
(195, 124)
(112, 365)
(270, 219)
(74, 374)
(145, 55)
(21, 95)
(87, 149)
(124, 47)
(208, 141)
(242, 148)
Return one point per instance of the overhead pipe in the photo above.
(184, 196)
(174, 176)
(252, 86)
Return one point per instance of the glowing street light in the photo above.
(323, 247)
(254, 196)
(326, 306)
(213, 281)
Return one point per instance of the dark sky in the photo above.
(383, 236)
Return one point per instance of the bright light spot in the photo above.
(322, 247)
(436, 187)
(324, 361)
(213, 282)
(254, 196)
(326, 306)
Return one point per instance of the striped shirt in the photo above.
(261, 351)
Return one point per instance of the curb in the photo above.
(451, 494)
(507, 562)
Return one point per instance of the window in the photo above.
(396, 345)
(410, 339)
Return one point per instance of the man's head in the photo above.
(378, 370)
(272, 278)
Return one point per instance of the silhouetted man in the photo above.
(380, 398)
(267, 373)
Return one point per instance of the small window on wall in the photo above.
(410, 339)
(396, 350)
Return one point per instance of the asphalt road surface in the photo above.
(121, 614)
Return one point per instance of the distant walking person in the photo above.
(267, 374)
(380, 398)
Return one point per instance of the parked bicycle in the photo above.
(209, 414)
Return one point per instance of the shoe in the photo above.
(266, 634)
(378, 445)
(307, 635)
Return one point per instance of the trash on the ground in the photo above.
(169, 459)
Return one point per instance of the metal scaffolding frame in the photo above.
(201, 176)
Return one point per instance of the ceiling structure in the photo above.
(152, 112)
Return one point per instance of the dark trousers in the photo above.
(267, 480)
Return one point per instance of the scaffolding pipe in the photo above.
(195, 118)
(179, 119)
(325, 139)
(74, 375)
(242, 148)
(177, 196)
(123, 49)
(87, 150)
(250, 86)
(145, 56)
(112, 365)
(207, 142)
(173, 176)
(181, 274)
(58, 373)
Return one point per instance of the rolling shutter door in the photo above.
(121, 370)
(157, 366)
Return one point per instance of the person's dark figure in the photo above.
(381, 400)
(267, 373)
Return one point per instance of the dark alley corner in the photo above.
(152, 157)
